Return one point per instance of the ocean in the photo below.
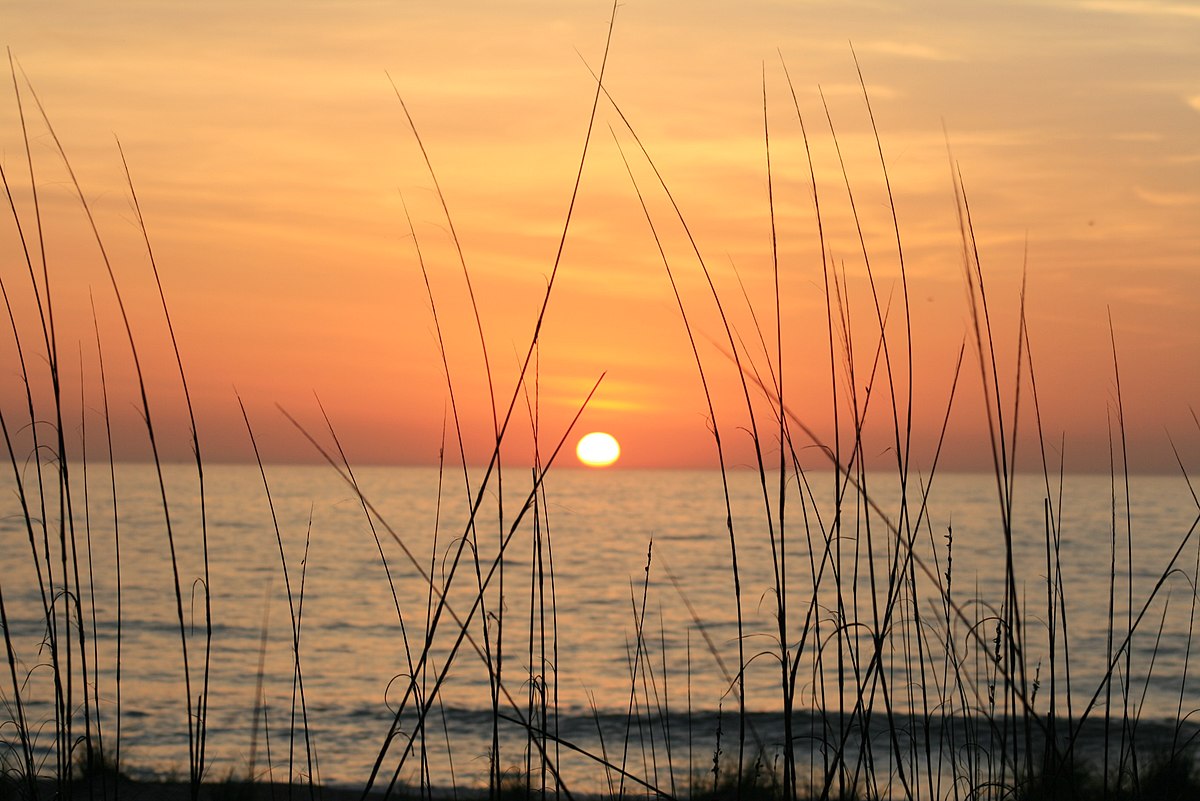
(612, 620)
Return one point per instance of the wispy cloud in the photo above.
(910, 50)
(1138, 136)
(1161, 198)
(1143, 8)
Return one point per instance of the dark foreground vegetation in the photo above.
(1161, 779)
(894, 681)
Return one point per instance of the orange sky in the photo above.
(271, 158)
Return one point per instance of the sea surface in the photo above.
(612, 616)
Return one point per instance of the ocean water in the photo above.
(612, 617)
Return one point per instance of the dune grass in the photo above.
(893, 679)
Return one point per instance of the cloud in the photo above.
(1139, 136)
(1160, 198)
(911, 50)
(1144, 8)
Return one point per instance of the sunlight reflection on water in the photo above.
(355, 652)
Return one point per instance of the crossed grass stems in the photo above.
(957, 715)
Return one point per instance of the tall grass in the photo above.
(894, 678)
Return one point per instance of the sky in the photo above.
(277, 174)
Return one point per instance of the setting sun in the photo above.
(598, 449)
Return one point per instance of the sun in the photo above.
(598, 449)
